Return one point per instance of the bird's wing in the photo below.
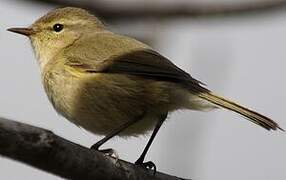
(140, 61)
(146, 63)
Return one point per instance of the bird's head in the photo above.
(59, 29)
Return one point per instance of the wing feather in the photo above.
(137, 59)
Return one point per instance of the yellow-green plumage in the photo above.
(101, 102)
(101, 80)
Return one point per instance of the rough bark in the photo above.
(44, 150)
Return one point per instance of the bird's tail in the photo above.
(251, 115)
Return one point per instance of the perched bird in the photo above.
(111, 84)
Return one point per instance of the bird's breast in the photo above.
(100, 102)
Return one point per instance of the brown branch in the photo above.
(163, 10)
(44, 150)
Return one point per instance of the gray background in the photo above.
(242, 58)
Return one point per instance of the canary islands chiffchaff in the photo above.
(111, 84)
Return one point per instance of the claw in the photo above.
(148, 166)
(110, 152)
(107, 152)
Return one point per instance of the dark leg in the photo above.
(149, 164)
(115, 132)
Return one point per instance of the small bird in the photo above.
(111, 84)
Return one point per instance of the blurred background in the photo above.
(236, 47)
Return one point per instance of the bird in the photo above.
(115, 85)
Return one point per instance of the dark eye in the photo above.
(58, 27)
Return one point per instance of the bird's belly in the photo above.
(99, 124)
(101, 107)
(100, 119)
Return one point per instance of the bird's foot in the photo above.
(147, 165)
(107, 152)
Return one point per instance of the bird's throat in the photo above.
(44, 54)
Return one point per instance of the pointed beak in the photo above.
(23, 31)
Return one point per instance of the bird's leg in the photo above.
(114, 133)
(150, 164)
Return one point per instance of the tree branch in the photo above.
(44, 150)
(128, 10)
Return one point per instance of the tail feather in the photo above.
(253, 116)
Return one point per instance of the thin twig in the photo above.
(162, 10)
